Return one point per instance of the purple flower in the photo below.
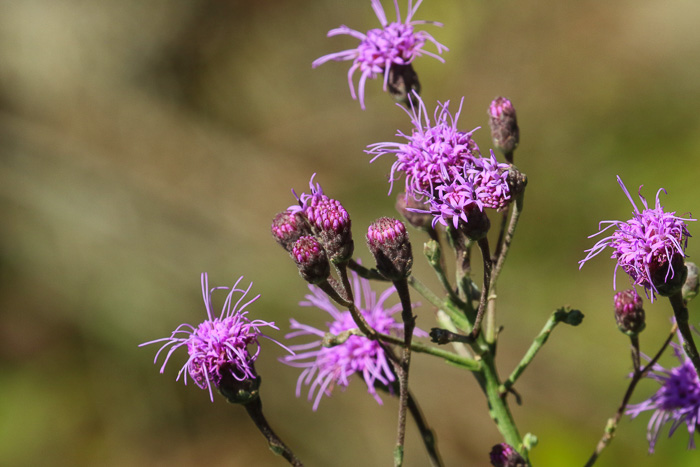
(218, 346)
(326, 367)
(676, 402)
(647, 247)
(395, 43)
(482, 183)
(433, 152)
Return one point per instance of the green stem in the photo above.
(449, 307)
(371, 274)
(426, 433)
(681, 312)
(484, 247)
(562, 314)
(254, 409)
(611, 425)
(505, 247)
(470, 364)
(433, 252)
(498, 406)
(409, 324)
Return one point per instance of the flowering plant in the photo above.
(452, 195)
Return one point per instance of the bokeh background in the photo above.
(142, 143)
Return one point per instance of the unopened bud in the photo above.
(311, 259)
(503, 455)
(629, 312)
(331, 224)
(419, 220)
(287, 227)
(504, 126)
(387, 239)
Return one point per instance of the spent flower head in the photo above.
(650, 247)
(433, 152)
(327, 367)
(221, 346)
(677, 401)
(394, 44)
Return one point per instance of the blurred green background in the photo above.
(142, 143)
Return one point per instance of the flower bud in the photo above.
(691, 286)
(331, 224)
(420, 220)
(503, 455)
(311, 259)
(287, 227)
(629, 312)
(504, 126)
(387, 239)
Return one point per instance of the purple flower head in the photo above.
(490, 180)
(433, 152)
(329, 221)
(676, 402)
(219, 346)
(481, 183)
(395, 43)
(326, 367)
(650, 247)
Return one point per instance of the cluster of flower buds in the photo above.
(315, 232)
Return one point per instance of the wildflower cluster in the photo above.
(448, 188)
(443, 167)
